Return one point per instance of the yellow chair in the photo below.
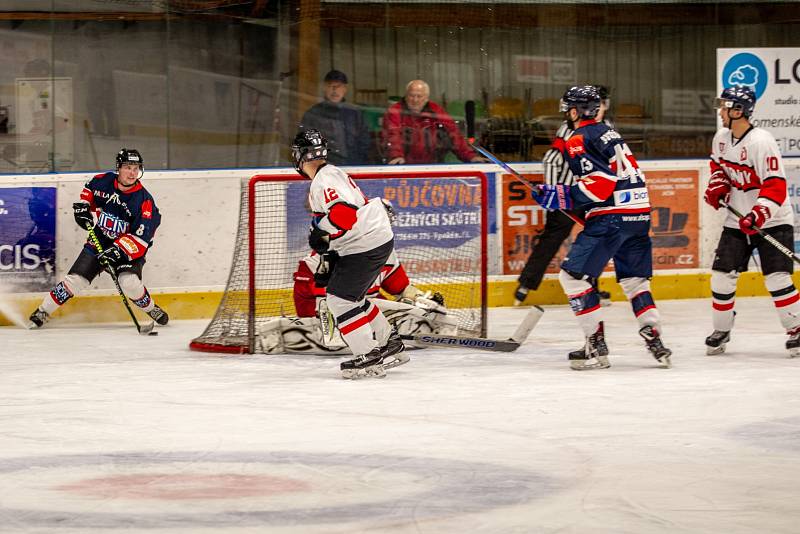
(506, 108)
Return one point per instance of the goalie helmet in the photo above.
(308, 145)
(739, 97)
(130, 156)
(584, 98)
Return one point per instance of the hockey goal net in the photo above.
(440, 238)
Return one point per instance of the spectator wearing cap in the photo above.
(416, 130)
(341, 123)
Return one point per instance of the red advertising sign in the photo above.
(675, 218)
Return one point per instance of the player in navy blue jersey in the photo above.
(125, 218)
(610, 189)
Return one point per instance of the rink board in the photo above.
(188, 267)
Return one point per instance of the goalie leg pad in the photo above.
(637, 290)
(583, 299)
(723, 297)
(785, 297)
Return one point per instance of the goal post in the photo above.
(440, 238)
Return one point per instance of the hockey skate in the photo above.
(715, 343)
(656, 347)
(366, 365)
(159, 315)
(394, 349)
(590, 357)
(38, 318)
(600, 343)
(793, 343)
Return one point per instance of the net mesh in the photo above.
(440, 238)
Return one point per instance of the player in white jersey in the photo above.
(747, 173)
(358, 230)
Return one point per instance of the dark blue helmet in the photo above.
(584, 98)
(741, 97)
(309, 145)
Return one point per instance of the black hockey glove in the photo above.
(319, 240)
(83, 215)
(327, 262)
(113, 257)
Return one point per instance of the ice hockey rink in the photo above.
(103, 430)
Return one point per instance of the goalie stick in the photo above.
(495, 345)
(146, 330)
(768, 238)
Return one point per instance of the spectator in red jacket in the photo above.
(416, 130)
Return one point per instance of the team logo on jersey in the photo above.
(748, 69)
(575, 145)
(111, 225)
(722, 147)
(743, 155)
(147, 209)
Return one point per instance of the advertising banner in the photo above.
(27, 239)
(774, 76)
(431, 214)
(675, 218)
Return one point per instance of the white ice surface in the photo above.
(103, 430)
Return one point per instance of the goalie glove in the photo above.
(431, 301)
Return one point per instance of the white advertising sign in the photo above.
(774, 75)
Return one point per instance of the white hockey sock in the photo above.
(354, 320)
(134, 289)
(584, 301)
(380, 325)
(71, 285)
(723, 296)
(785, 297)
(637, 291)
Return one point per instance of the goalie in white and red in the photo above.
(413, 312)
(359, 231)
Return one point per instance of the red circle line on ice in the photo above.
(441, 488)
(169, 486)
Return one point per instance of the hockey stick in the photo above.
(146, 330)
(495, 345)
(768, 238)
(525, 181)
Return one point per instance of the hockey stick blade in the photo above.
(494, 345)
(461, 342)
(148, 329)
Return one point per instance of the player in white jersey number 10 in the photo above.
(747, 175)
(358, 229)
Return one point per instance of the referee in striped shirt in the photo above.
(557, 226)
